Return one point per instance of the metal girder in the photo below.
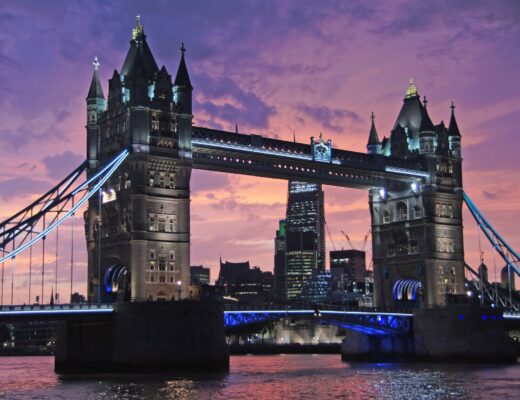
(259, 156)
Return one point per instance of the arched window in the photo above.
(402, 211)
(386, 217)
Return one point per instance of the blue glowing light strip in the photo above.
(57, 312)
(481, 219)
(114, 165)
(404, 171)
(250, 149)
(334, 312)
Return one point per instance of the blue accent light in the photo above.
(461, 317)
(111, 167)
(484, 317)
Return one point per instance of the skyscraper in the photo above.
(280, 261)
(305, 238)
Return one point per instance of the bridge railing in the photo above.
(55, 307)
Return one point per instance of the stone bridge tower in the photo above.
(417, 238)
(138, 230)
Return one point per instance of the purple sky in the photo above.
(273, 68)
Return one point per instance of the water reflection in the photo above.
(268, 377)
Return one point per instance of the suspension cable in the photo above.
(43, 260)
(30, 261)
(56, 296)
(3, 268)
(12, 276)
(72, 251)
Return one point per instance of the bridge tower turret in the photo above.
(454, 135)
(138, 230)
(96, 105)
(373, 144)
(417, 227)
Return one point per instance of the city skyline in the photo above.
(257, 91)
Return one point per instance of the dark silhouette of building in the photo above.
(347, 266)
(77, 298)
(280, 261)
(248, 285)
(199, 275)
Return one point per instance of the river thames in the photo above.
(269, 377)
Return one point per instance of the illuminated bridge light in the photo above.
(406, 171)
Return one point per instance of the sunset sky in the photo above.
(274, 68)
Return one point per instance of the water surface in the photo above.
(269, 377)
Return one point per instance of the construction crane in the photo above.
(328, 233)
(348, 240)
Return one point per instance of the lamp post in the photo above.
(179, 283)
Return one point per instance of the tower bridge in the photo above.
(141, 148)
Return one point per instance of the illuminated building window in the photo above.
(151, 177)
(402, 211)
(155, 124)
(152, 222)
(386, 216)
(172, 180)
(160, 223)
(152, 265)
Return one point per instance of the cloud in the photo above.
(60, 165)
(202, 181)
(332, 119)
(489, 195)
(224, 100)
(21, 187)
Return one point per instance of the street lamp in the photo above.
(179, 283)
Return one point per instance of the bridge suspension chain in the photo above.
(57, 201)
(510, 256)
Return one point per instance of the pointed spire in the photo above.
(426, 122)
(139, 54)
(183, 78)
(95, 91)
(236, 127)
(373, 138)
(453, 129)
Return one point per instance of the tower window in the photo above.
(417, 212)
(172, 255)
(386, 216)
(402, 211)
(155, 124)
(152, 254)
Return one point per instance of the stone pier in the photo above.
(146, 337)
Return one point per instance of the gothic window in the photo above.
(151, 177)
(417, 212)
(162, 264)
(172, 255)
(152, 278)
(161, 223)
(450, 167)
(402, 211)
(386, 216)
(171, 279)
(445, 245)
(170, 223)
(128, 182)
(152, 254)
(162, 279)
(172, 180)
(155, 123)
(152, 222)
(172, 266)
(161, 179)
(92, 117)
(152, 265)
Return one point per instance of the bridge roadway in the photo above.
(238, 153)
(372, 322)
